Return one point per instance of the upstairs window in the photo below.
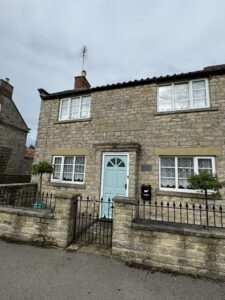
(183, 95)
(75, 108)
(68, 169)
(175, 171)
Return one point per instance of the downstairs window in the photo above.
(174, 171)
(68, 169)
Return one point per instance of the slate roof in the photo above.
(206, 72)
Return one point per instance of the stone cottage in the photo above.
(110, 140)
(13, 132)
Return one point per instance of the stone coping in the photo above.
(182, 194)
(17, 184)
(184, 229)
(41, 213)
(67, 185)
(126, 200)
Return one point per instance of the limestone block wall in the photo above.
(13, 132)
(129, 115)
(40, 226)
(182, 249)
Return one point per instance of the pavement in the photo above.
(28, 272)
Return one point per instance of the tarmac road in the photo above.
(28, 272)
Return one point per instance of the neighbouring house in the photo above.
(110, 140)
(13, 132)
(28, 160)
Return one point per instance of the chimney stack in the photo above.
(81, 82)
(6, 89)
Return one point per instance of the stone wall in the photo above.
(7, 179)
(18, 187)
(128, 116)
(40, 226)
(183, 249)
(13, 132)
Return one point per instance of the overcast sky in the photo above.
(41, 40)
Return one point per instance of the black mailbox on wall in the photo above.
(146, 191)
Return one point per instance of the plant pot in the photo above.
(40, 205)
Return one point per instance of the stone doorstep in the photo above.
(97, 249)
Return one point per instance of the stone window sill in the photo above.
(186, 111)
(73, 121)
(67, 185)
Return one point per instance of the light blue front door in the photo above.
(114, 180)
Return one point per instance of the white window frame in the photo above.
(190, 82)
(61, 169)
(69, 110)
(195, 159)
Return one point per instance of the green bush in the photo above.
(206, 181)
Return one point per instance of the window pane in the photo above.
(185, 162)
(75, 108)
(185, 170)
(181, 96)
(168, 183)
(198, 84)
(58, 160)
(57, 168)
(79, 177)
(165, 89)
(165, 98)
(182, 104)
(199, 93)
(65, 106)
(181, 88)
(80, 160)
(68, 168)
(56, 175)
(167, 161)
(167, 172)
(79, 169)
(205, 164)
(183, 184)
(85, 107)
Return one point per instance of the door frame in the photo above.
(104, 154)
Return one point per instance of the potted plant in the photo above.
(43, 167)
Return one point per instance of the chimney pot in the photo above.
(83, 73)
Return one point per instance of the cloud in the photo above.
(126, 40)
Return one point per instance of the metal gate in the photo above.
(91, 226)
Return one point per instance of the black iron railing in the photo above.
(94, 221)
(182, 213)
(24, 199)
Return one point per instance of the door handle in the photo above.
(125, 186)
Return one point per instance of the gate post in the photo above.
(75, 199)
(124, 213)
(64, 216)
